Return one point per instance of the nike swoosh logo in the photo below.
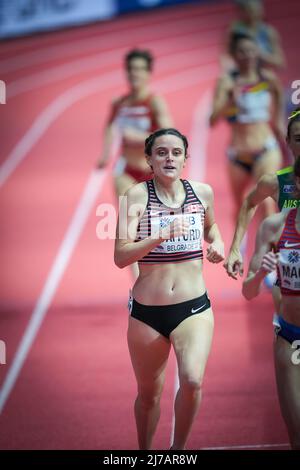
(194, 310)
(291, 245)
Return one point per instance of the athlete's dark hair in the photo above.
(294, 117)
(139, 54)
(235, 38)
(297, 166)
(170, 131)
(297, 173)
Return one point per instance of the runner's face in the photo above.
(252, 11)
(168, 157)
(246, 53)
(294, 140)
(138, 73)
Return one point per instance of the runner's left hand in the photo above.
(215, 252)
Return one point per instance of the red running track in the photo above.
(75, 387)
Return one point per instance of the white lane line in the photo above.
(103, 59)
(197, 169)
(66, 99)
(53, 74)
(23, 55)
(199, 138)
(99, 42)
(61, 72)
(92, 189)
(186, 79)
(49, 115)
(247, 446)
(175, 390)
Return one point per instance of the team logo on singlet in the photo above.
(164, 222)
(288, 244)
(289, 188)
(294, 257)
(192, 208)
(290, 204)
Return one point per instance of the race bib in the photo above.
(190, 242)
(289, 266)
(135, 117)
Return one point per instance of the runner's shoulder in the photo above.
(203, 191)
(137, 194)
(268, 184)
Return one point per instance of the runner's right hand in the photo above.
(269, 262)
(177, 228)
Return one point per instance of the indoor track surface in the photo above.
(68, 381)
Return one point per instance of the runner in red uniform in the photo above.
(134, 116)
(281, 233)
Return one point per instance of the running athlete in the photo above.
(283, 232)
(251, 14)
(134, 116)
(169, 306)
(280, 187)
(245, 97)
